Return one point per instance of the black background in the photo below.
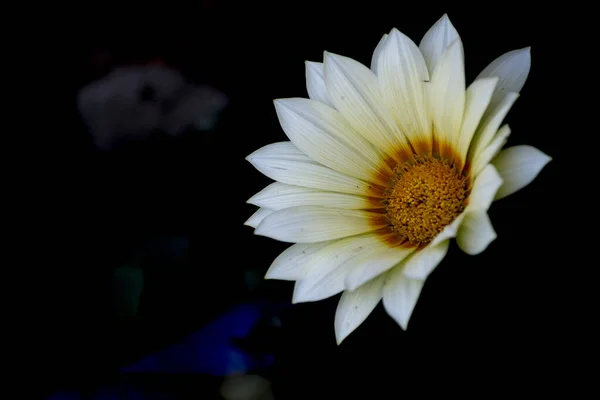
(486, 320)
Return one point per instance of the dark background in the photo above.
(489, 319)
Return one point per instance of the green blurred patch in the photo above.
(254, 279)
(128, 287)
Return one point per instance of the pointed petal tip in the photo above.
(277, 102)
(248, 222)
(258, 231)
(542, 154)
(399, 318)
(250, 156)
(339, 338)
(295, 299)
(445, 20)
(394, 31)
(396, 34)
(328, 55)
(545, 158)
(402, 323)
(526, 51)
(269, 275)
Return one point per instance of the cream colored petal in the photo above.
(513, 69)
(518, 166)
(294, 262)
(402, 74)
(284, 163)
(278, 196)
(423, 262)
(355, 306)
(449, 231)
(315, 85)
(437, 39)
(489, 125)
(377, 53)
(368, 265)
(400, 295)
(491, 151)
(327, 270)
(475, 232)
(355, 92)
(319, 131)
(484, 189)
(311, 224)
(477, 100)
(446, 96)
(257, 217)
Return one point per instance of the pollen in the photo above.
(424, 196)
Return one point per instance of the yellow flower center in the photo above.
(424, 196)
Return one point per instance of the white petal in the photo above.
(327, 269)
(513, 69)
(424, 261)
(355, 92)
(355, 306)
(321, 133)
(402, 73)
(477, 100)
(446, 96)
(283, 162)
(311, 224)
(437, 39)
(518, 166)
(315, 85)
(489, 125)
(377, 53)
(368, 265)
(491, 151)
(278, 196)
(257, 217)
(294, 262)
(400, 295)
(484, 189)
(449, 231)
(475, 232)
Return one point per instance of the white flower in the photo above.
(384, 166)
(134, 101)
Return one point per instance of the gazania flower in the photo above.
(384, 166)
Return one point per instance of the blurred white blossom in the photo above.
(134, 101)
(246, 387)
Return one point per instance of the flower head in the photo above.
(384, 166)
